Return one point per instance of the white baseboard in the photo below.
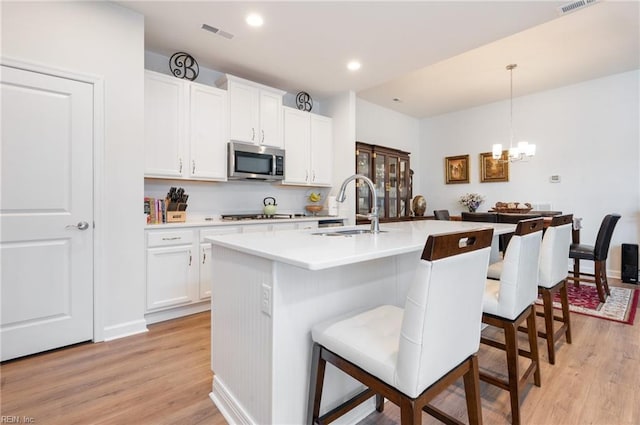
(174, 313)
(227, 405)
(125, 329)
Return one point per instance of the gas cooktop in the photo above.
(236, 217)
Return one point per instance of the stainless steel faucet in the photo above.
(373, 215)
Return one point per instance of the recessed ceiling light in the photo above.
(255, 20)
(353, 66)
(395, 99)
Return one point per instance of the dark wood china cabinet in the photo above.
(389, 170)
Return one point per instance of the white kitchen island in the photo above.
(270, 288)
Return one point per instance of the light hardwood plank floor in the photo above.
(164, 377)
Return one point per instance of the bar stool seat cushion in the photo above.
(582, 251)
(369, 339)
(495, 270)
(491, 299)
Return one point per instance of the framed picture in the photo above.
(494, 170)
(457, 169)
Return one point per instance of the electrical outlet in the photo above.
(265, 301)
(555, 178)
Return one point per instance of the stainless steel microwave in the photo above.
(248, 161)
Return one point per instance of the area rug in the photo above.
(620, 306)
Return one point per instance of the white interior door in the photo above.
(46, 212)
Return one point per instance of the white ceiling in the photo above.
(436, 57)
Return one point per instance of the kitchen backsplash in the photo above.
(209, 198)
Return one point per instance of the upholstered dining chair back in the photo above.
(443, 309)
(519, 277)
(441, 215)
(554, 251)
(603, 240)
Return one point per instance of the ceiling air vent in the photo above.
(576, 5)
(217, 31)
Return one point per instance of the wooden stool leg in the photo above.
(564, 301)
(533, 344)
(472, 392)
(410, 414)
(547, 304)
(316, 382)
(511, 348)
(379, 403)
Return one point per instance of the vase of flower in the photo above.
(472, 201)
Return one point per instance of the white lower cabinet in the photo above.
(179, 275)
(171, 272)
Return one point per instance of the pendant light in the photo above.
(523, 150)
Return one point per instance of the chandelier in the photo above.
(523, 150)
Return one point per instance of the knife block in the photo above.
(176, 212)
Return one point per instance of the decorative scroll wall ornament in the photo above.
(304, 101)
(183, 65)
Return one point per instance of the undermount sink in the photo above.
(349, 232)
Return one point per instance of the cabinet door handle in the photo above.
(173, 238)
(190, 258)
(204, 257)
(306, 176)
(262, 141)
(253, 134)
(193, 166)
(180, 171)
(313, 178)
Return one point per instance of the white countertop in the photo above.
(313, 252)
(202, 221)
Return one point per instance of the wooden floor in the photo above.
(164, 377)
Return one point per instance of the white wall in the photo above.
(586, 133)
(381, 126)
(104, 40)
(343, 110)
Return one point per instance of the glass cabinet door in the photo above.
(380, 182)
(363, 166)
(403, 187)
(392, 186)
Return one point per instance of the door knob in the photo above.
(82, 225)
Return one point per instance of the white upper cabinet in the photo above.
(164, 125)
(185, 129)
(297, 136)
(208, 133)
(308, 143)
(321, 156)
(255, 111)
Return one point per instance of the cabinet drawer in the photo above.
(169, 237)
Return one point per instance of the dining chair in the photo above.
(410, 355)
(552, 279)
(596, 253)
(508, 302)
(441, 215)
(512, 218)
